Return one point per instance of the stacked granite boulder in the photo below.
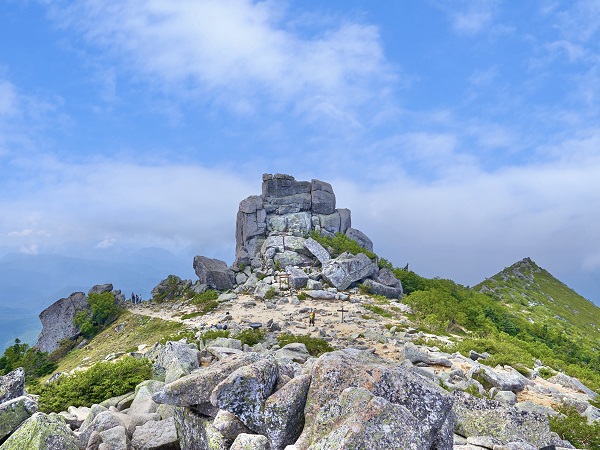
(289, 209)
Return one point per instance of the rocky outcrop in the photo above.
(12, 385)
(57, 321)
(214, 273)
(288, 207)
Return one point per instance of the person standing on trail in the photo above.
(311, 317)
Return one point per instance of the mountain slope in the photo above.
(533, 294)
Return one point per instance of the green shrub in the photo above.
(378, 310)
(341, 243)
(574, 428)
(103, 311)
(302, 296)
(251, 336)
(270, 294)
(315, 346)
(209, 335)
(173, 290)
(98, 383)
(64, 347)
(189, 335)
(205, 297)
(546, 372)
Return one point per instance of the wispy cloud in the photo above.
(469, 17)
(239, 54)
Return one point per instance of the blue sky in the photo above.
(463, 135)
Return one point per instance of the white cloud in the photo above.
(240, 52)
(471, 17)
(8, 99)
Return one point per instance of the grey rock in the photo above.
(429, 405)
(504, 380)
(225, 343)
(12, 385)
(245, 390)
(14, 412)
(229, 425)
(143, 402)
(592, 414)
(179, 353)
(115, 438)
(506, 397)
(572, 383)
(387, 278)
(57, 321)
(161, 435)
(298, 278)
(296, 351)
(320, 295)
(41, 432)
(323, 198)
(283, 413)
(346, 269)
(481, 417)
(196, 388)
(381, 289)
(196, 432)
(345, 219)
(314, 285)
(317, 250)
(329, 224)
(101, 289)
(214, 273)
(360, 238)
(246, 441)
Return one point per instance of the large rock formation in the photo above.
(57, 321)
(289, 208)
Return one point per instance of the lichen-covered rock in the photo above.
(503, 379)
(12, 385)
(41, 432)
(229, 425)
(196, 432)
(245, 390)
(347, 268)
(333, 372)
(360, 420)
(143, 402)
(482, 417)
(250, 442)
(115, 438)
(178, 354)
(57, 321)
(161, 435)
(100, 288)
(14, 412)
(283, 413)
(214, 273)
(196, 388)
(103, 421)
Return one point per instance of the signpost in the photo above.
(342, 311)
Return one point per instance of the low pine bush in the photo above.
(315, 346)
(94, 385)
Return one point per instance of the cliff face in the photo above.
(57, 321)
(288, 207)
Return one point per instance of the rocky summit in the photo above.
(292, 209)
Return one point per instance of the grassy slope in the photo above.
(138, 330)
(533, 293)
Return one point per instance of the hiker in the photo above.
(132, 298)
(311, 317)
